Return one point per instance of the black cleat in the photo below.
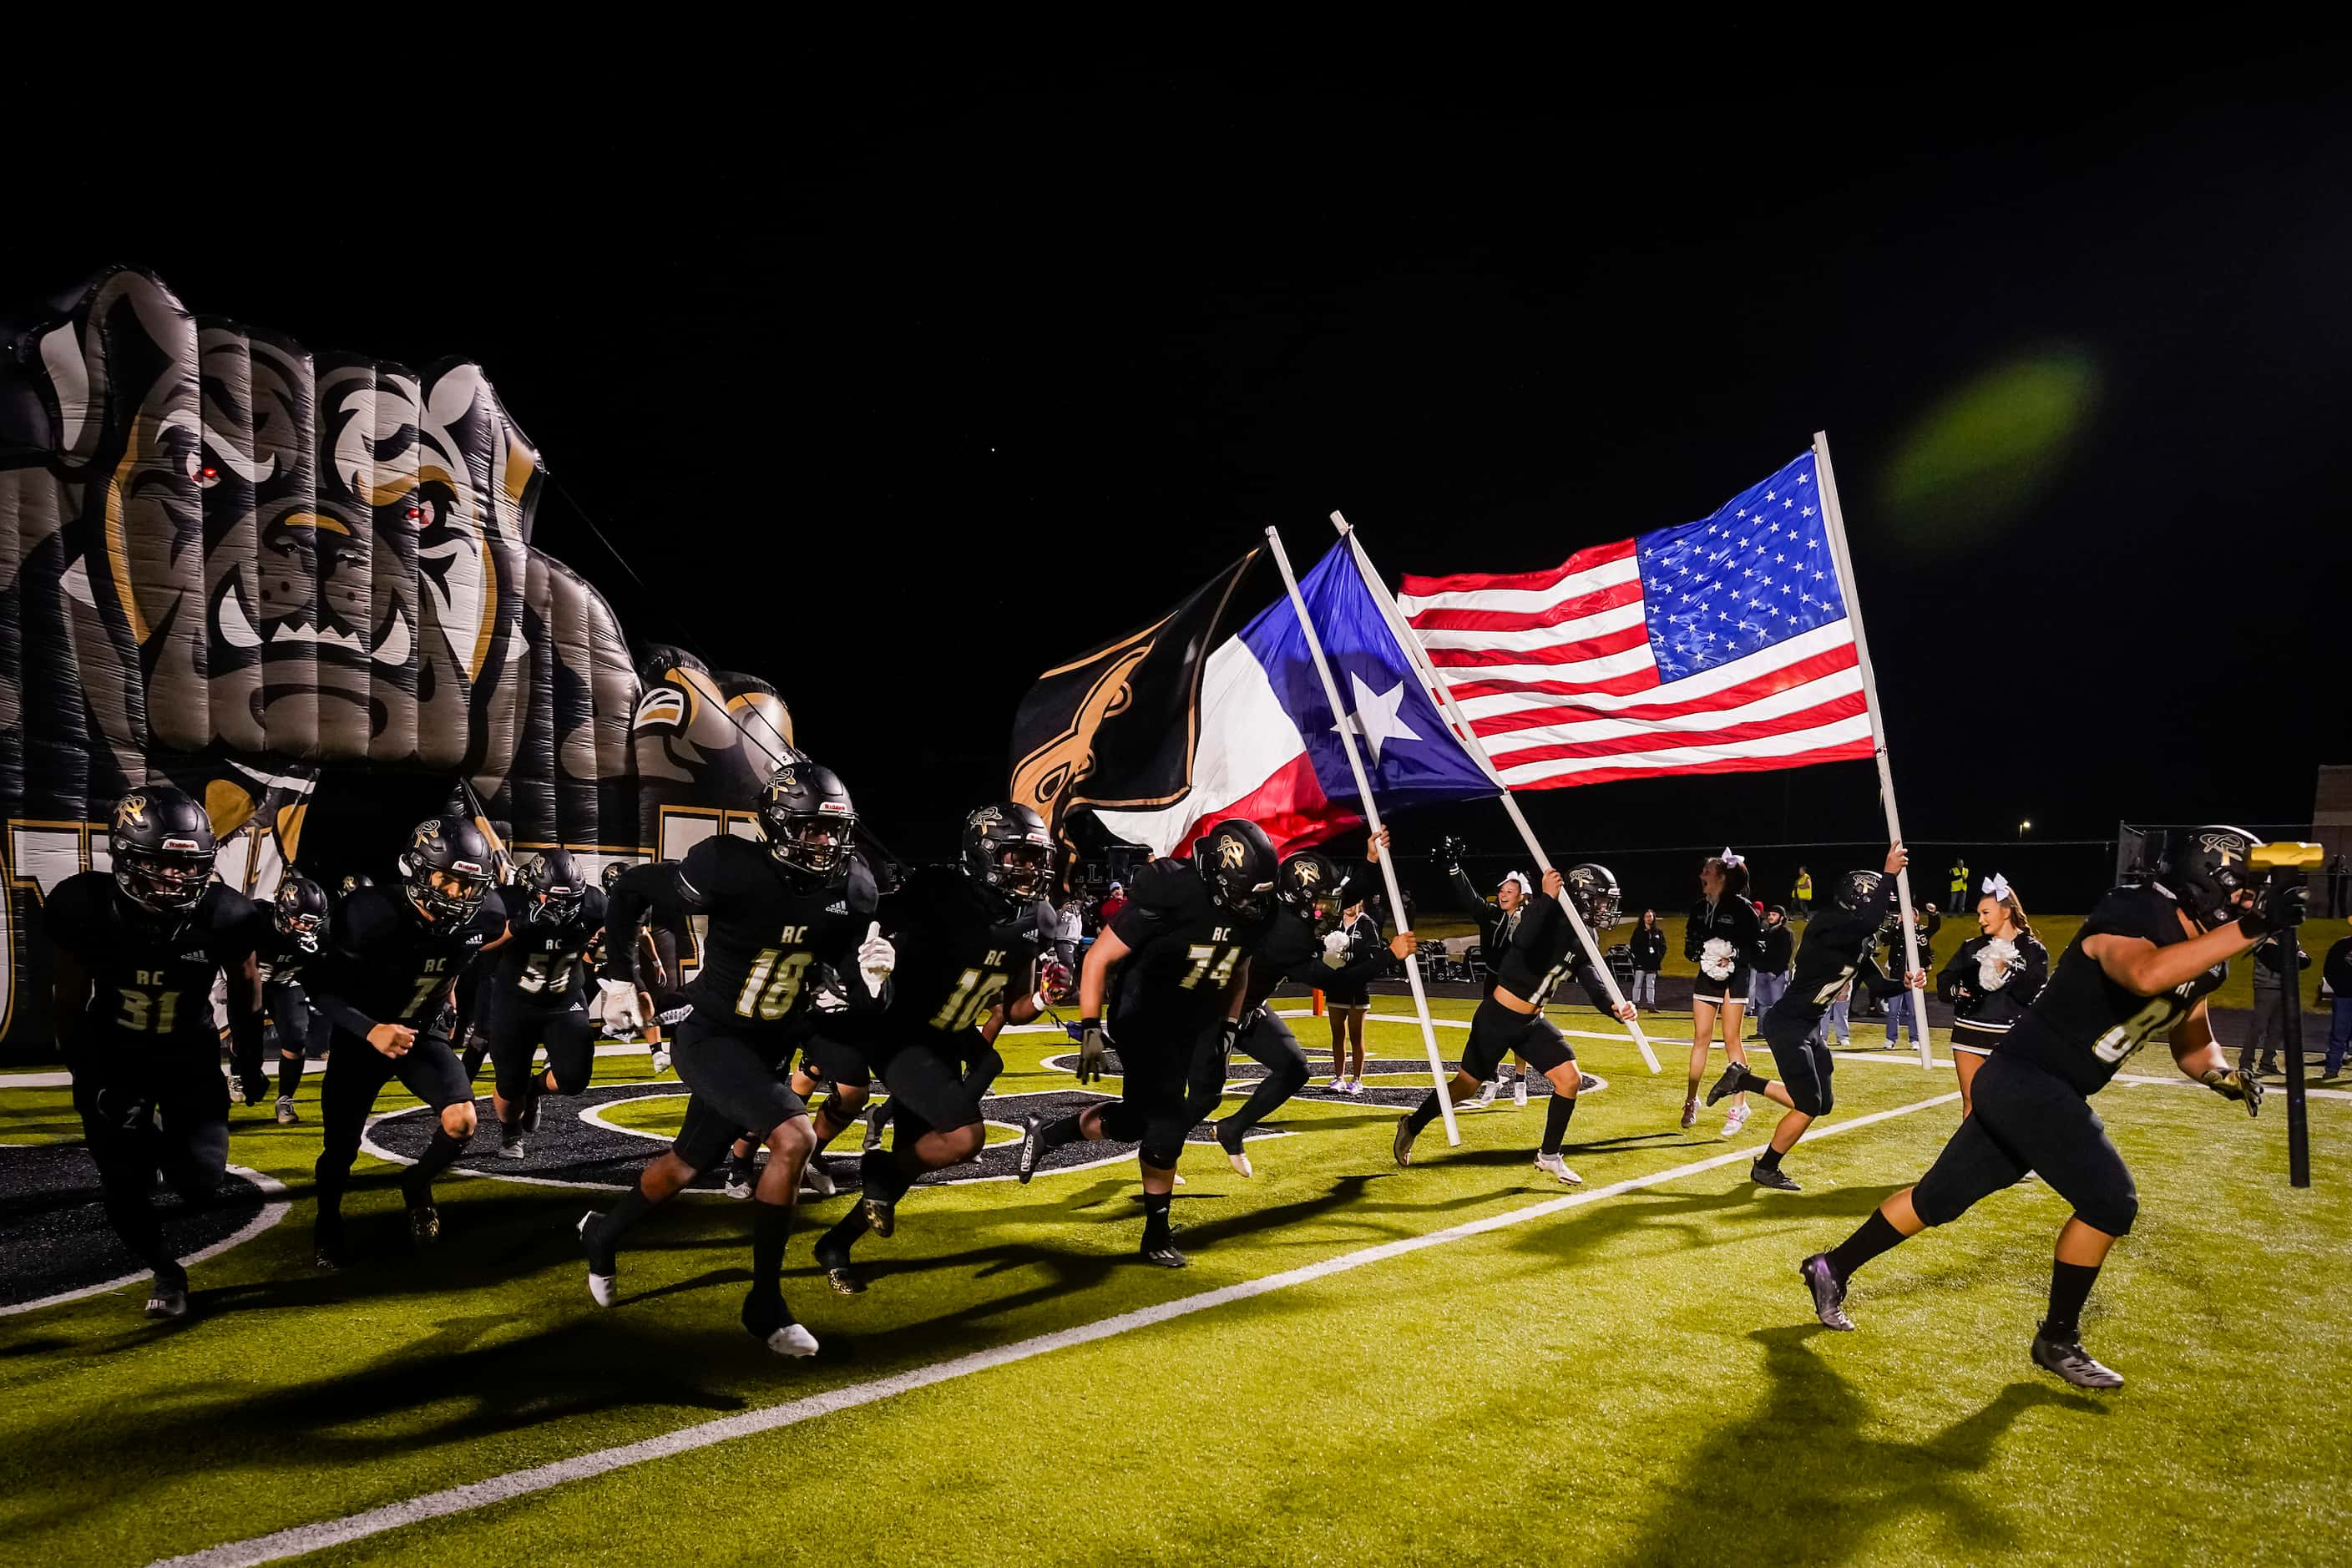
(1033, 1147)
(1402, 1147)
(256, 1091)
(2070, 1361)
(1773, 1177)
(1829, 1292)
(881, 1214)
(423, 1224)
(328, 1249)
(167, 1300)
(839, 1272)
(604, 1269)
(1164, 1255)
(1734, 1080)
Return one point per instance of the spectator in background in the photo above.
(1960, 884)
(1073, 925)
(2275, 992)
(1837, 1020)
(2337, 974)
(1778, 951)
(1113, 901)
(1907, 1007)
(1649, 945)
(1804, 894)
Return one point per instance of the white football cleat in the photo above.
(661, 1060)
(1240, 1161)
(1734, 1119)
(792, 1339)
(816, 1183)
(1553, 1165)
(1479, 1101)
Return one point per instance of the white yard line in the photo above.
(294, 1542)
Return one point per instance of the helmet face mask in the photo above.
(447, 868)
(1007, 849)
(555, 888)
(161, 847)
(807, 816)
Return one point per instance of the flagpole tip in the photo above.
(1338, 522)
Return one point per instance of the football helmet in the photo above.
(806, 813)
(1236, 859)
(554, 885)
(163, 849)
(1856, 889)
(446, 868)
(1312, 884)
(300, 910)
(1594, 889)
(1006, 847)
(2205, 868)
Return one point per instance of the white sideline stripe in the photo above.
(302, 1538)
(274, 1209)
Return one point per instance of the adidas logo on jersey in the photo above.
(199, 956)
(837, 908)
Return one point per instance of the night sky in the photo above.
(896, 385)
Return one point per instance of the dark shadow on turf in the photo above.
(1823, 1490)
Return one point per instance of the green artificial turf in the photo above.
(1634, 1380)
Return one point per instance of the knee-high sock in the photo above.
(634, 1206)
(771, 1224)
(1556, 1115)
(1424, 1113)
(846, 1232)
(1155, 1218)
(1265, 1100)
(2070, 1286)
(1877, 1235)
(289, 1074)
(1054, 1134)
(438, 1156)
(471, 1059)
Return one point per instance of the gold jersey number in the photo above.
(773, 984)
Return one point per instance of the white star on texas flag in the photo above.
(1376, 717)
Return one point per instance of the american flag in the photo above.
(1722, 646)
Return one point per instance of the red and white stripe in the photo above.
(1554, 672)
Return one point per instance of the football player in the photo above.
(537, 994)
(775, 909)
(385, 983)
(1304, 942)
(1182, 947)
(1541, 951)
(2142, 965)
(1837, 948)
(135, 950)
(290, 942)
(964, 936)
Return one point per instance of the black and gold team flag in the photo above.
(1115, 727)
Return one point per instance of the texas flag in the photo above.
(1269, 747)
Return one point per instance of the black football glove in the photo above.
(2230, 1084)
(2276, 909)
(1093, 1046)
(1450, 849)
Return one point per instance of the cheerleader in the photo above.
(1348, 1003)
(1992, 981)
(1723, 936)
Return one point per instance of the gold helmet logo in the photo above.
(1309, 873)
(132, 809)
(1232, 852)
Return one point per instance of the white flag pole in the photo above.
(1372, 815)
(1410, 641)
(1833, 525)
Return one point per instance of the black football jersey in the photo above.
(1184, 948)
(282, 962)
(386, 964)
(1838, 947)
(544, 967)
(960, 949)
(150, 975)
(767, 930)
(2084, 1027)
(1291, 950)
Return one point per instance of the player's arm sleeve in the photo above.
(659, 885)
(338, 972)
(238, 952)
(1876, 979)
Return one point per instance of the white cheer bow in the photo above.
(1997, 886)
